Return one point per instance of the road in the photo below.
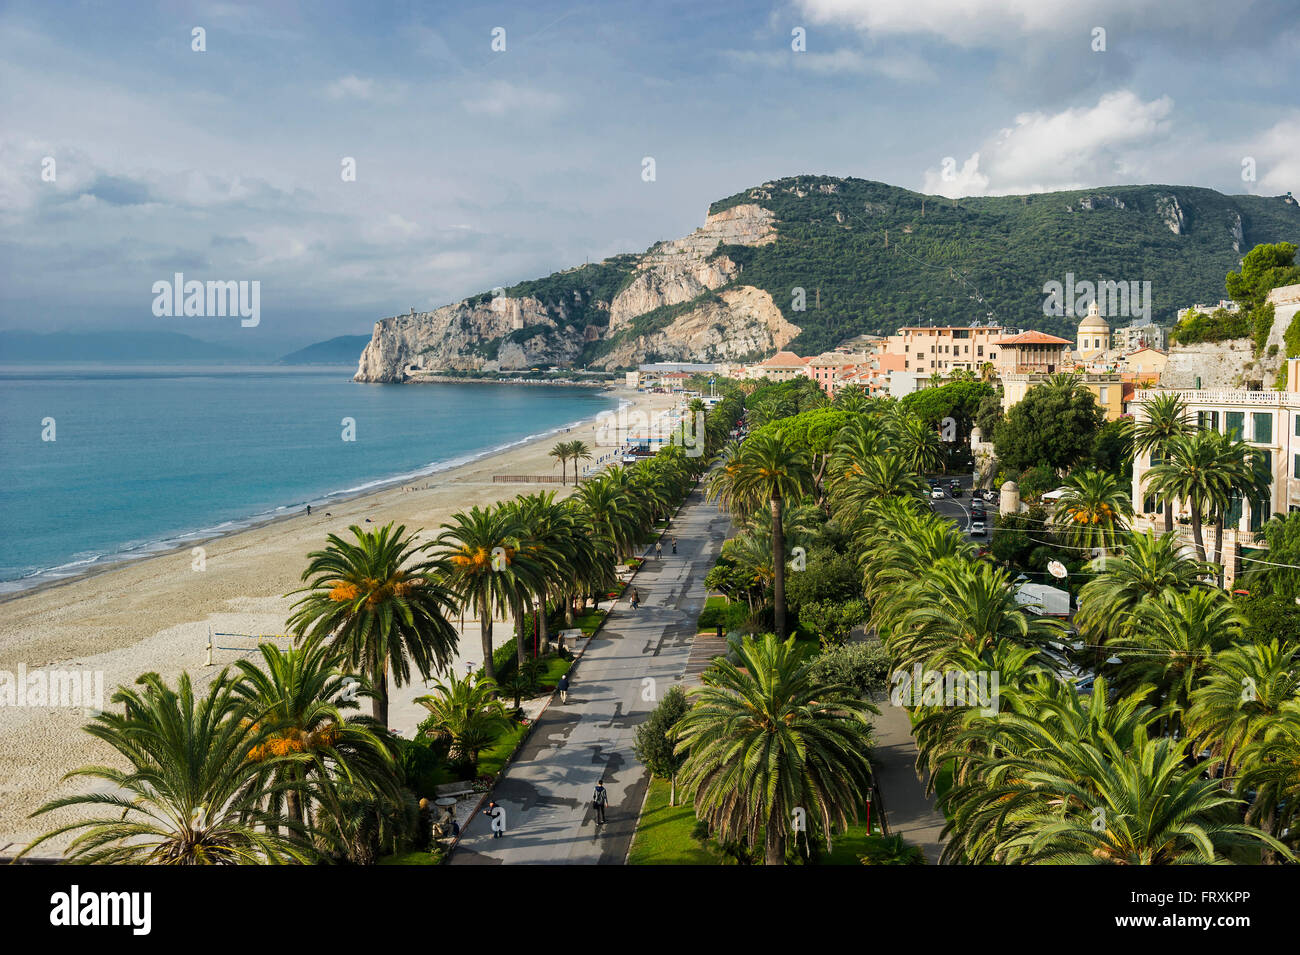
(623, 672)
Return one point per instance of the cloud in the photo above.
(351, 87)
(501, 97)
(1070, 149)
(900, 67)
(1276, 152)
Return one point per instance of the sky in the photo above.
(127, 155)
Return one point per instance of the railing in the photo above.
(526, 479)
(1275, 399)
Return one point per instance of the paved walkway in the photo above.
(909, 812)
(546, 791)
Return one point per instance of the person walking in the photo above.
(674, 545)
(599, 800)
(636, 599)
(498, 817)
(659, 550)
(563, 686)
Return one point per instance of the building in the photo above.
(947, 348)
(1267, 420)
(1031, 353)
(1146, 361)
(1107, 389)
(1130, 338)
(783, 366)
(1093, 336)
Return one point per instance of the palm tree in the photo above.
(1240, 698)
(1148, 568)
(578, 452)
(561, 454)
(918, 444)
(612, 512)
(301, 696)
(1189, 474)
(771, 469)
(537, 563)
(1093, 510)
(468, 714)
(1173, 641)
(379, 601)
(763, 739)
(1271, 769)
(190, 794)
(1069, 780)
(1164, 418)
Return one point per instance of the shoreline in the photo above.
(44, 579)
(159, 613)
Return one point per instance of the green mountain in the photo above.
(810, 261)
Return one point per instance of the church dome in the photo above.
(1093, 319)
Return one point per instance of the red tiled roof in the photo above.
(1033, 338)
(784, 359)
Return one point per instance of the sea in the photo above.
(109, 463)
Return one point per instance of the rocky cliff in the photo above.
(672, 285)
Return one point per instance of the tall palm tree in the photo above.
(1173, 641)
(1164, 417)
(537, 562)
(1070, 780)
(764, 739)
(1147, 568)
(468, 714)
(918, 444)
(771, 469)
(1093, 510)
(612, 513)
(302, 695)
(1270, 767)
(561, 454)
(1188, 473)
(190, 794)
(579, 451)
(1242, 694)
(476, 547)
(380, 602)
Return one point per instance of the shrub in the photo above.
(863, 666)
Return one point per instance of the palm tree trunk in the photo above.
(521, 653)
(1197, 536)
(773, 846)
(1169, 517)
(778, 568)
(1218, 544)
(485, 628)
(379, 702)
(543, 633)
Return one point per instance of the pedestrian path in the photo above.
(909, 812)
(622, 674)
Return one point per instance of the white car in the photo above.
(936, 492)
(977, 528)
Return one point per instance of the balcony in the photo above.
(1236, 396)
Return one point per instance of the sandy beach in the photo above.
(156, 614)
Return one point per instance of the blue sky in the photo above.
(478, 168)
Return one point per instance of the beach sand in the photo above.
(155, 614)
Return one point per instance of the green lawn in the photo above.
(663, 833)
(589, 621)
(663, 836)
(412, 858)
(553, 667)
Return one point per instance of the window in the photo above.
(1295, 469)
(1262, 424)
(1103, 393)
(1233, 517)
(1207, 420)
(1234, 422)
(1259, 514)
(1297, 426)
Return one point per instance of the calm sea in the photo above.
(146, 458)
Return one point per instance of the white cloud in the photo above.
(1276, 152)
(351, 87)
(901, 67)
(1071, 149)
(501, 97)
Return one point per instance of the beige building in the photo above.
(1146, 361)
(1108, 390)
(1093, 336)
(947, 348)
(782, 366)
(1032, 353)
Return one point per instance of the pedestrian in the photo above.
(659, 550)
(308, 510)
(497, 815)
(600, 799)
(636, 599)
(563, 687)
(674, 545)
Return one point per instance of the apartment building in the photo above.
(947, 348)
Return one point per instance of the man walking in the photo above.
(563, 686)
(600, 799)
(659, 550)
(498, 816)
(674, 545)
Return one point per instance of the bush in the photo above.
(420, 762)
(863, 666)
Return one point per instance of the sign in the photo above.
(1057, 570)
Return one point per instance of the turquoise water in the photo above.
(145, 458)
